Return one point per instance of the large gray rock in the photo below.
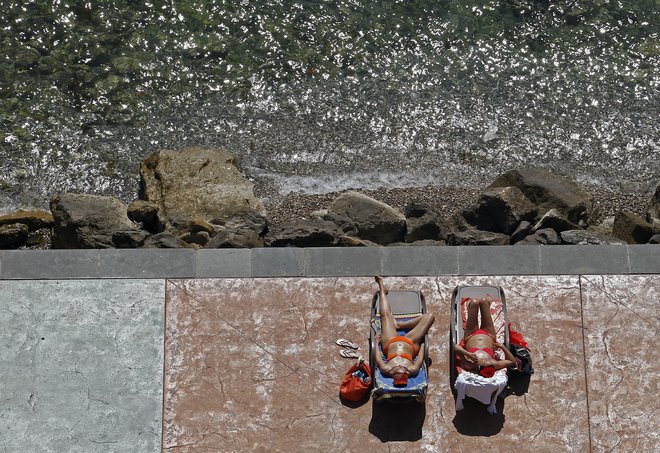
(583, 237)
(34, 220)
(547, 191)
(477, 237)
(87, 221)
(374, 221)
(653, 213)
(13, 236)
(632, 228)
(304, 233)
(196, 183)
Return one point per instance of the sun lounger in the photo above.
(405, 305)
(464, 383)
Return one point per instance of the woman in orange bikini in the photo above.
(400, 350)
(478, 345)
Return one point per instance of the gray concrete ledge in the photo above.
(330, 262)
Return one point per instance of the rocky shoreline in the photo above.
(448, 200)
(199, 198)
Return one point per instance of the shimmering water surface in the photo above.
(317, 96)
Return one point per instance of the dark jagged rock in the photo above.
(546, 236)
(422, 223)
(548, 191)
(632, 228)
(197, 183)
(478, 216)
(506, 207)
(524, 229)
(34, 220)
(165, 240)
(87, 221)
(304, 233)
(147, 214)
(582, 237)
(555, 220)
(200, 238)
(13, 236)
(374, 221)
(655, 239)
(477, 237)
(131, 239)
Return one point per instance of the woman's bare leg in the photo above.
(388, 326)
(486, 318)
(472, 323)
(408, 323)
(424, 323)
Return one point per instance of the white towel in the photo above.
(485, 390)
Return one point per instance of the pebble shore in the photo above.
(294, 206)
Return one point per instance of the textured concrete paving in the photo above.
(621, 322)
(251, 365)
(81, 365)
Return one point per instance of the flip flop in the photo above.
(346, 343)
(375, 323)
(348, 354)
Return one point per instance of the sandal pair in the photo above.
(348, 353)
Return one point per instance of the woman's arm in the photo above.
(384, 367)
(419, 362)
(509, 359)
(469, 356)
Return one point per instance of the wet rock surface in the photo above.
(87, 221)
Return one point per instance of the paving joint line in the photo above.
(584, 356)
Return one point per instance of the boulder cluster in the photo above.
(198, 198)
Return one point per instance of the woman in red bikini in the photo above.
(400, 350)
(479, 343)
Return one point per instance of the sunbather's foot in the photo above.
(381, 286)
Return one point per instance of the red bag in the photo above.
(354, 387)
(516, 338)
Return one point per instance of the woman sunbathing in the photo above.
(478, 345)
(400, 350)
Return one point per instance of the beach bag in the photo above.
(356, 383)
(520, 350)
(523, 360)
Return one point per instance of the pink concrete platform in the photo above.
(252, 365)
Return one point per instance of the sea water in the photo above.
(323, 95)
